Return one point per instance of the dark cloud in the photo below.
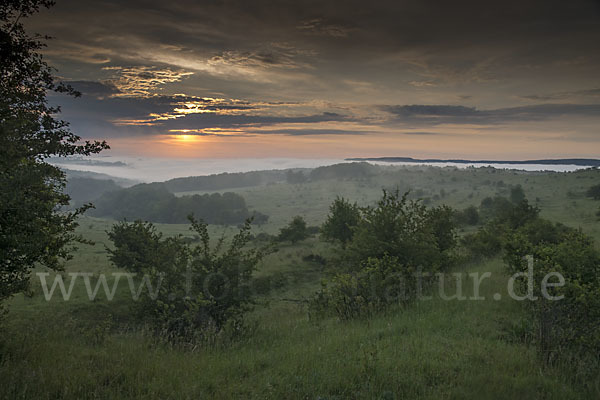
(149, 66)
(95, 89)
(449, 114)
(564, 95)
(306, 132)
(203, 121)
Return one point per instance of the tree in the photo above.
(594, 192)
(295, 231)
(343, 217)
(32, 230)
(390, 244)
(295, 177)
(517, 195)
(468, 216)
(408, 230)
(570, 326)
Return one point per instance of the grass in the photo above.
(432, 349)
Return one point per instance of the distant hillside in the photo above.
(344, 171)
(587, 162)
(122, 182)
(224, 181)
(85, 190)
(154, 202)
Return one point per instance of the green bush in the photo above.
(295, 231)
(405, 229)
(468, 216)
(390, 243)
(197, 290)
(594, 192)
(341, 221)
(485, 243)
(570, 325)
(380, 282)
(490, 239)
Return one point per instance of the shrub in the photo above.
(594, 192)
(390, 243)
(405, 229)
(295, 231)
(490, 239)
(468, 216)
(570, 325)
(484, 243)
(342, 219)
(198, 290)
(517, 195)
(380, 283)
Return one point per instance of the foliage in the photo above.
(225, 180)
(198, 290)
(343, 217)
(468, 216)
(594, 192)
(295, 177)
(517, 195)
(490, 239)
(492, 207)
(390, 243)
(295, 231)
(153, 202)
(31, 228)
(405, 229)
(570, 325)
(485, 243)
(380, 282)
(351, 171)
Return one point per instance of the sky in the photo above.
(330, 79)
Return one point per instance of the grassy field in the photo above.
(434, 349)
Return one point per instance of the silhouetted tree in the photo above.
(32, 231)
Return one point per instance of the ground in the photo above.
(432, 349)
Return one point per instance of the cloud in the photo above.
(569, 95)
(142, 81)
(451, 114)
(318, 26)
(307, 132)
(95, 89)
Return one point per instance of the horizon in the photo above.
(147, 169)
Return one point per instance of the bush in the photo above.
(197, 290)
(380, 283)
(517, 195)
(405, 229)
(154, 202)
(390, 243)
(490, 239)
(594, 192)
(485, 243)
(342, 219)
(570, 325)
(468, 216)
(295, 231)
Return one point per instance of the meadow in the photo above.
(432, 349)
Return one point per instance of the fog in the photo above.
(162, 169)
(145, 169)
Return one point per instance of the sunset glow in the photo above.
(333, 82)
